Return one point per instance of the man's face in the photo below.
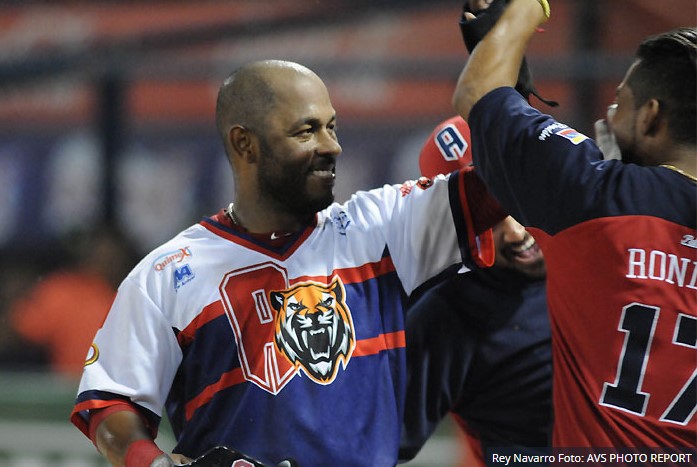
(298, 149)
(622, 121)
(516, 249)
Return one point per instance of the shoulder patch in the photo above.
(341, 221)
(171, 257)
(572, 135)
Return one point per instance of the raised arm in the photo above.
(495, 61)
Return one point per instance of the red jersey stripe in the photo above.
(227, 380)
(374, 345)
(209, 313)
(364, 347)
(355, 275)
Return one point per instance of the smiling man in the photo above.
(281, 332)
(284, 154)
(479, 344)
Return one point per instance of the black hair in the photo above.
(666, 70)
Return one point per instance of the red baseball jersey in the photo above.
(619, 242)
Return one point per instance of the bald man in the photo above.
(276, 326)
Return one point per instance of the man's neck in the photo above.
(685, 162)
(260, 219)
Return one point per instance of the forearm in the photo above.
(115, 434)
(496, 60)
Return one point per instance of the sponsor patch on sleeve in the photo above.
(572, 135)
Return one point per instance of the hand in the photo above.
(162, 460)
(478, 17)
(169, 460)
(605, 140)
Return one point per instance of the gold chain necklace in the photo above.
(680, 171)
(232, 215)
(236, 220)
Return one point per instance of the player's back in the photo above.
(624, 326)
(622, 284)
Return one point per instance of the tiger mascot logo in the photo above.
(314, 328)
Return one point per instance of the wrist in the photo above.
(142, 453)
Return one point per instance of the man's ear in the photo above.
(650, 117)
(243, 143)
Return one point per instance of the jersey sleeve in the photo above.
(551, 176)
(134, 356)
(524, 156)
(427, 226)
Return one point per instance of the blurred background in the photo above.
(108, 146)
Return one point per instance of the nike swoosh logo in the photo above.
(274, 236)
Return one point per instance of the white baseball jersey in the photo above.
(293, 352)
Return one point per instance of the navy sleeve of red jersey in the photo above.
(550, 176)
